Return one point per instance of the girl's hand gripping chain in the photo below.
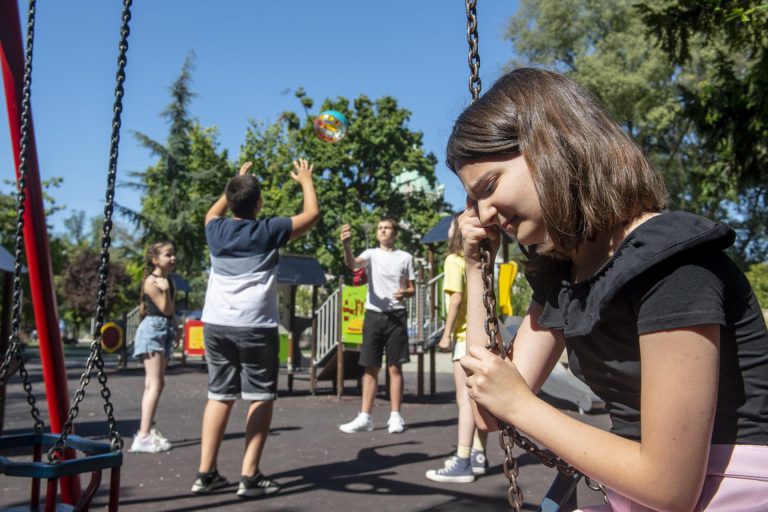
(481, 243)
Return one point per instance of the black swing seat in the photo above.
(98, 457)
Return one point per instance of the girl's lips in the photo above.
(509, 227)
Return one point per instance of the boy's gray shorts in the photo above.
(242, 362)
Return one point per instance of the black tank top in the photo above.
(150, 308)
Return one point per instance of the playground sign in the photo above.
(111, 337)
(352, 313)
(193, 338)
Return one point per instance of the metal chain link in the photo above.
(491, 323)
(508, 434)
(474, 56)
(94, 358)
(14, 348)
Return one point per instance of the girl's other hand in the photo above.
(496, 384)
(474, 232)
(161, 283)
(444, 345)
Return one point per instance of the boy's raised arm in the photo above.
(302, 222)
(350, 260)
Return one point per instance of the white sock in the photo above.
(394, 414)
(364, 415)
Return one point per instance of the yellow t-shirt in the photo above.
(455, 281)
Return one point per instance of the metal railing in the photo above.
(425, 317)
(328, 328)
(131, 324)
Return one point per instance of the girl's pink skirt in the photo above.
(736, 481)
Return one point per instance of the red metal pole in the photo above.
(36, 237)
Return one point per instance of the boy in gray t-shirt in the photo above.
(390, 280)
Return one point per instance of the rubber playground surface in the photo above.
(318, 467)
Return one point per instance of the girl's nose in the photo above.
(486, 212)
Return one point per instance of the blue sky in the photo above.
(250, 56)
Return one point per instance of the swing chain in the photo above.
(511, 471)
(491, 322)
(546, 457)
(508, 434)
(94, 358)
(474, 55)
(14, 348)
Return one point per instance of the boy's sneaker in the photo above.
(164, 444)
(456, 470)
(256, 485)
(395, 424)
(147, 443)
(359, 424)
(208, 482)
(479, 462)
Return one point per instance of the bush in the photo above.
(758, 278)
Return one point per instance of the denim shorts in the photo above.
(243, 362)
(155, 334)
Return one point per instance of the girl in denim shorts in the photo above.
(155, 340)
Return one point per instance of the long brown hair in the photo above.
(590, 177)
(153, 251)
(456, 241)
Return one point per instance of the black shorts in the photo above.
(242, 362)
(385, 330)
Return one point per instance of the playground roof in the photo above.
(439, 233)
(180, 283)
(294, 269)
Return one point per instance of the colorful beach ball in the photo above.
(331, 126)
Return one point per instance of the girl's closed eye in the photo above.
(490, 186)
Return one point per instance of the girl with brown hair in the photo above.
(155, 340)
(654, 316)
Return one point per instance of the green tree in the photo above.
(604, 46)
(8, 214)
(758, 278)
(724, 43)
(177, 190)
(354, 178)
(9, 208)
(80, 283)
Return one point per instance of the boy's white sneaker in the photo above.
(396, 424)
(359, 424)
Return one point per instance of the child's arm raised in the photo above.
(219, 208)
(350, 260)
(310, 214)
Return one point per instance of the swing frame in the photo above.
(61, 447)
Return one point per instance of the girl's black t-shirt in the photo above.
(670, 272)
(150, 308)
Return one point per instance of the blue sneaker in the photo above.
(456, 470)
(479, 462)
